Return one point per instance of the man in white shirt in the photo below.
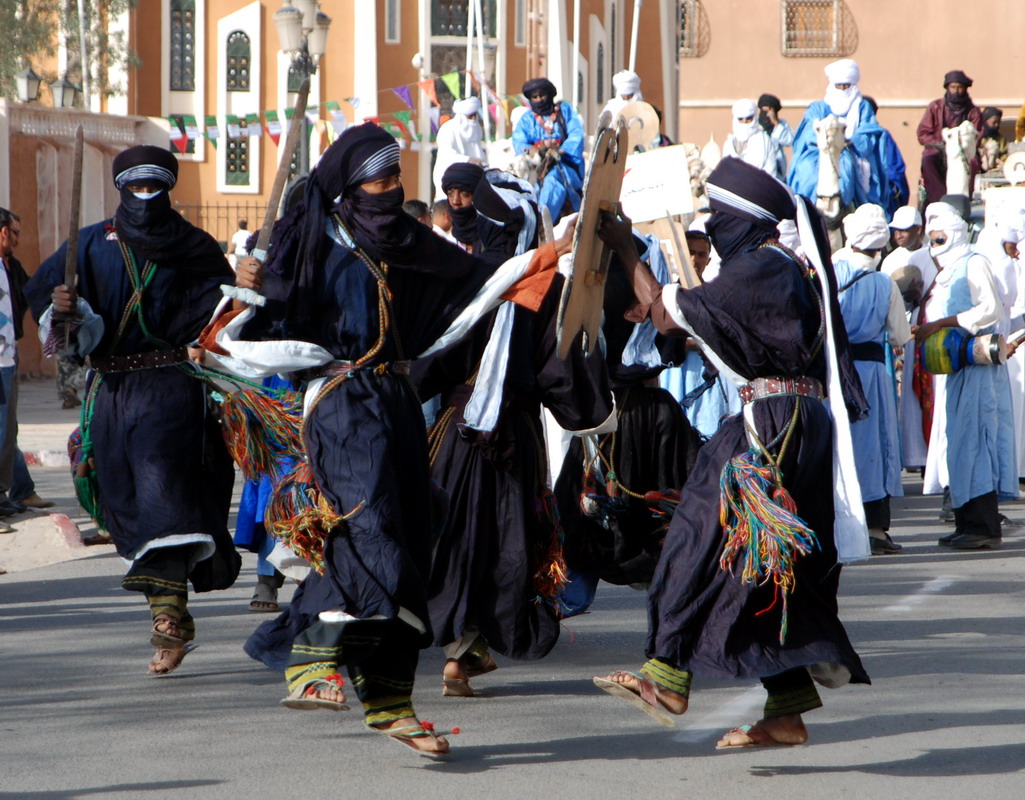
(906, 227)
(748, 140)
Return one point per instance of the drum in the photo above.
(951, 349)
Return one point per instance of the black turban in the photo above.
(748, 204)
(990, 111)
(771, 101)
(464, 176)
(547, 105)
(145, 163)
(957, 76)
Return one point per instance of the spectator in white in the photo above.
(911, 254)
(238, 242)
(627, 88)
(441, 220)
(873, 312)
(749, 141)
(906, 227)
(460, 140)
(779, 129)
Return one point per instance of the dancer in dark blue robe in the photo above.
(355, 277)
(163, 473)
(764, 323)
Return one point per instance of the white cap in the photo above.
(906, 217)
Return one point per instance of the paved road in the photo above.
(941, 633)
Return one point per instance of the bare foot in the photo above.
(416, 734)
(671, 701)
(788, 730)
(454, 670)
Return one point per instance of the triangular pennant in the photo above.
(403, 95)
(177, 135)
(403, 116)
(234, 128)
(212, 132)
(273, 125)
(428, 88)
(353, 101)
(191, 127)
(338, 120)
(476, 83)
(253, 125)
(451, 81)
(514, 100)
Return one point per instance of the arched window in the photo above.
(599, 76)
(238, 62)
(183, 45)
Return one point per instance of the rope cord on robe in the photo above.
(761, 529)
(662, 502)
(297, 511)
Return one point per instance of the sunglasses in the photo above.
(940, 240)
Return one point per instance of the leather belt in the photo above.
(136, 361)
(768, 387)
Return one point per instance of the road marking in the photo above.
(716, 722)
(935, 586)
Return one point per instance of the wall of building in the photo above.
(902, 47)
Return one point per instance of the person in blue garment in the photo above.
(980, 455)
(554, 131)
(873, 311)
(864, 176)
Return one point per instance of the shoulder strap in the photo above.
(853, 281)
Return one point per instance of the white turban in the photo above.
(944, 217)
(1010, 224)
(745, 108)
(866, 228)
(467, 107)
(627, 82)
(845, 70)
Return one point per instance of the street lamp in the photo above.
(64, 93)
(28, 85)
(302, 30)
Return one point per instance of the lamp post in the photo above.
(302, 31)
(28, 85)
(64, 93)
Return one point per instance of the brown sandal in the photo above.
(167, 659)
(166, 633)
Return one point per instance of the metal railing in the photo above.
(220, 220)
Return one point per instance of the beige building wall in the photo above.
(903, 47)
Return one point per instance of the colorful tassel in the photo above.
(763, 532)
(550, 572)
(663, 504)
(262, 430)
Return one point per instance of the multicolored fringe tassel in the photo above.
(299, 514)
(663, 504)
(262, 430)
(763, 532)
(550, 575)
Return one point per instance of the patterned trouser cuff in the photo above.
(387, 709)
(668, 677)
(301, 674)
(793, 701)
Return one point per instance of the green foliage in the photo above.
(33, 30)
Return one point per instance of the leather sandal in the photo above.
(166, 633)
(304, 696)
(408, 734)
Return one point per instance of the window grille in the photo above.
(692, 30)
(448, 17)
(236, 158)
(238, 56)
(183, 45)
(392, 22)
(817, 28)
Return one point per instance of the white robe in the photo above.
(459, 140)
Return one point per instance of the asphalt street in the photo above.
(940, 631)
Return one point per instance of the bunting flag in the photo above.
(338, 121)
(212, 132)
(403, 94)
(253, 125)
(234, 128)
(451, 81)
(191, 127)
(273, 125)
(313, 114)
(476, 83)
(428, 88)
(353, 101)
(514, 100)
(178, 137)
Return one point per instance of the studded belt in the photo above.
(767, 387)
(334, 368)
(136, 361)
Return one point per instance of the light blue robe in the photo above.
(869, 143)
(565, 182)
(706, 411)
(876, 439)
(981, 455)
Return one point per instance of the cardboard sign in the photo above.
(657, 184)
